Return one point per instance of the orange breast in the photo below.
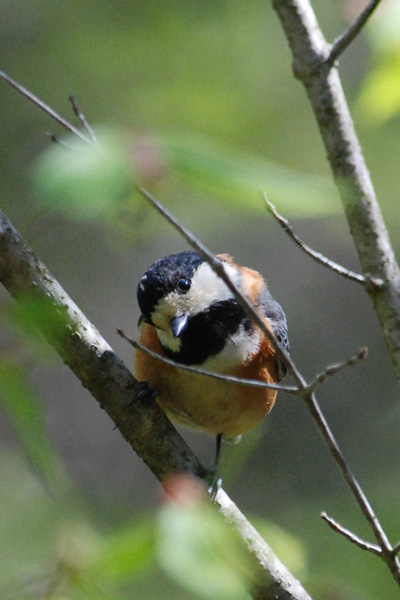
(205, 403)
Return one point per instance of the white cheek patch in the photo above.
(208, 288)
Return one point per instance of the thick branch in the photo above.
(311, 65)
(91, 359)
(142, 423)
(310, 52)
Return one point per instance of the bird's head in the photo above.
(176, 289)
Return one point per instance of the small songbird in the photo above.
(189, 314)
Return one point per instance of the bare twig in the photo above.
(323, 87)
(355, 539)
(343, 42)
(213, 375)
(360, 496)
(296, 391)
(306, 392)
(82, 118)
(334, 369)
(44, 107)
(317, 256)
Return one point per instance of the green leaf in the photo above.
(24, 410)
(379, 98)
(125, 553)
(240, 179)
(201, 553)
(86, 181)
(98, 182)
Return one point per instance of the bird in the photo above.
(190, 316)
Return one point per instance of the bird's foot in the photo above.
(144, 393)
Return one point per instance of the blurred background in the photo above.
(196, 100)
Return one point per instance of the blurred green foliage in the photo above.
(380, 92)
(200, 106)
(96, 182)
(79, 558)
(24, 410)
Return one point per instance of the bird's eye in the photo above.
(184, 285)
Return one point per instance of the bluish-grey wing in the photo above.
(274, 312)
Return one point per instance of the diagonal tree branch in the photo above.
(140, 420)
(311, 66)
(91, 358)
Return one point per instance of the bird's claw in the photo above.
(145, 393)
(213, 480)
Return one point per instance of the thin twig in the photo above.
(334, 369)
(82, 118)
(317, 256)
(198, 371)
(355, 539)
(344, 41)
(44, 107)
(361, 498)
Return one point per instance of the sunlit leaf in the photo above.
(201, 553)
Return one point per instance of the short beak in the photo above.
(179, 324)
